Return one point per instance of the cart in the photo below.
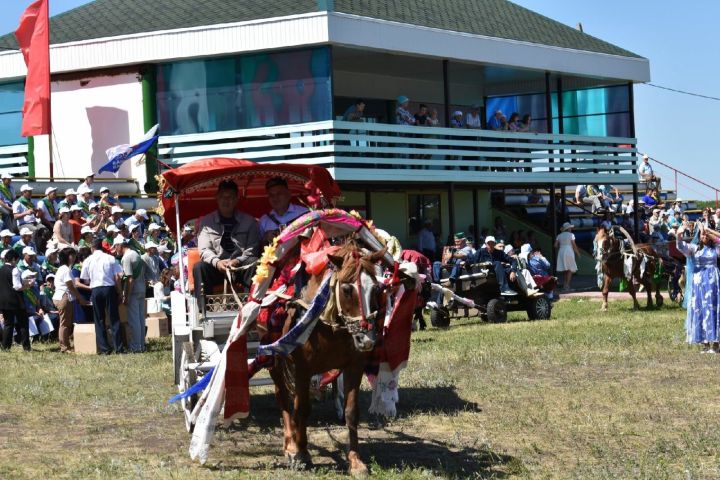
(200, 329)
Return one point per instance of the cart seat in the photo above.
(193, 257)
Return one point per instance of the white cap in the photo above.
(489, 239)
(28, 251)
(26, 188)
(116, 209)
(142, 212)
(50, 250)
(29, 273)
(64, 210)
(646, 157)
(49, 190)
(89, 173)
(70, 191)
(84, 189)
(509, 249)
(526, 248)
(6, 175)
(154, 226)
(25, 231)
(93, 205)
(112, 228)
(85, 230)
(133, 226)
(49, 275)
(6, 233)
(163, 249)
(104, 189)
(75, 208)
(457, 112)
(149, 245)
(119, 240)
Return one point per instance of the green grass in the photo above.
(585, 395)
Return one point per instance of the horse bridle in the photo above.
(360, 323)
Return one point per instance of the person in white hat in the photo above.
(106, 200)
(50, 264)
(69, 200)
(165, 254)
(133, 291)
(6, 237)
(87, 183)
(135, 240)
(457, 120)
(7, 197)
(188, 237)
(77, 221)
(137, 219)
(63, 229)
(567, 249)
(86, 237)
(153, 263)
(29, 261)
(472, 119)
(37, 324)
(646, 173)
(47, 208)
(25, 241)
(495, 122)
(84, 200)
(490, 253)
(24, 212)
(153, 233)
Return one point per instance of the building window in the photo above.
(11, 102)
(245, 91)
(423, 207)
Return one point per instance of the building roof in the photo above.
(492, 18)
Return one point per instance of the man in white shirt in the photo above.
(25, 216)
(283, 212)
(137, 219)
(472, 120)
(426, 241)
(102, 274)
(47, 208)
(7, 197)
(647, 174)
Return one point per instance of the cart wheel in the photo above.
(496, 312)
(539, 308)
(188, 378)
(439, 318)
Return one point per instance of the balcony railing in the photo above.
(382, 152)
(13, 159)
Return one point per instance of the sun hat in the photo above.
(84, 189)
(90, 174)
(93, 206)
(402, 99)
(567, 226)
(163, 249)
(646, 157)
(50, 250)
(29, 251)
(26, 188)
(75, 208)
(490, 239)
(149, 245)
(49, 190)
(25, 231)
(49, 276)
(187, 228)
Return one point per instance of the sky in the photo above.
(679, 39)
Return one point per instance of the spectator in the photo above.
(589, 195)
(47, 208)
(25, 214)
(133, 292)
(355, 112)
(70, 199)
(152, 263)
(514, 122)
(37, 325)
(29, 262)
(47, 290)
(12, 305)
(135, 240)
(421, 118)
(716, 217)
(652, 199)
(433, 120)
(457, 121)
(89, 180)
(84, 200)
(188, 237)
(110, 234)
(63, 229)
(607, 222)
(161, 291)
(526, 124)
(106, 201)
(86, 237)
(283, 212)
(50, 264)
(116, 216)
(647, 174)
(25, 241)
(7, 197)
(567, 249)
(707, 219)
(76, 222)
(497, 256)
(674, 221)
(426, 241)
(153, 234)
(455, 257)
(472, 120)
(612, 198)
(165, 256)
(102, 274)
(500, 229)
(495, 122)
(538, 264)
(402, 115)
(137, 218)
(6, 237)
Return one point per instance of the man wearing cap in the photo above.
(646, 173)
(137, 219)
(473, 118)
(165, 254)
(228, 239)
(133, 291)
(188, 237)
(6, 237)
(33, 308)
(86, 237)
(7, 197)
(105, 199)
(29, 262)
(25, 216)
(283, 211)
(102, 274)
(50, 264)
(152, 263)
(12, 305)
(69, 200)
(426, 241)
(107, 243)
(47, 208)
(153, 234)
(457, 120)
(495, 122)
(490, 254)
(87, 183)
(454, 256)
(25, 241)
(85, 197)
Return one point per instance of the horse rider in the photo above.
(228, 240)
(488, 253)
(283, 210)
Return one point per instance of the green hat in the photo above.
(460, 236)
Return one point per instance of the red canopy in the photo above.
(196, 184)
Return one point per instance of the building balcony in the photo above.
(375, 152)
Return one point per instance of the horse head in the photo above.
(608, 246)
(357, 293)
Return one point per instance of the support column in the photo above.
(368, 204)
(451, 207)
(548, 114)
(636, 213)
(561, 127)
(446, 93)
(31, 157)
(631, 105)
(553, 221)
(149, 90)
(476, 216)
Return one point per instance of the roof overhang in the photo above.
(327, 28)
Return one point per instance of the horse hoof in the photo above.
(359, 470)
(299, 461)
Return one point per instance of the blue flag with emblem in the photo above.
(117, 155)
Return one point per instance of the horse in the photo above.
(343, 339)
(611, 253)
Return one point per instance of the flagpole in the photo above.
(50, 135)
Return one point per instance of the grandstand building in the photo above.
(270, 81)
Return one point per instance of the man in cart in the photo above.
(283, 211)
(228, 241)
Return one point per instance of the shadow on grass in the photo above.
(382, 444)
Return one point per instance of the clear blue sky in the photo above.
(679, 40)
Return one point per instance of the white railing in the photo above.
(382, 152)
(13, 159)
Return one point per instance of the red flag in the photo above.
(33, 35)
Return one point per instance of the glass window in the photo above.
(422, 207)
(530, 104)
(11, 102)
(244, 92)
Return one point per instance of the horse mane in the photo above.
(351, 253)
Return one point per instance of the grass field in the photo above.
(585, 395)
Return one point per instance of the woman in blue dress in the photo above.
(703, 308)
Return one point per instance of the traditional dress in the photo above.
(703, 306)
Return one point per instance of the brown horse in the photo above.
(343, 339)
(612, 254)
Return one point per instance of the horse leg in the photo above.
(631, 291)
(338, 397)
(301, 412)
(605, 291)
(352, 379)
(649, 289)
(282, 397)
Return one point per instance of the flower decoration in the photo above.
(269, 257)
